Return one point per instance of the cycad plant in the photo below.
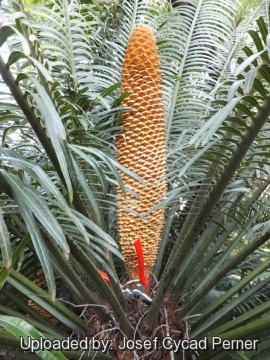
(124, 121)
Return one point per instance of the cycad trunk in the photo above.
(141, 147)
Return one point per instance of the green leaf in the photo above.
(110, 162)
(233, 89)
(263, 28)
(17, 253)
(88, 223)
(23, 330)
(6, 31)
(210, 127)
(257, 40)
(264, 71)
(110, 89)
(247, 62)
(8, 107)
(42, 69)
(57, 134)
(249, 80)
(255, 327)
(122, 97)
(45, 181)
(252, 101)
(39, 245)
(95, 211)
(15, 56)
(258, 86)
(42, 298)
(5, 246)
(268, 45)
(244, 109)
(38, 207)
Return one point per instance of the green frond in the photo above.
(60, 112)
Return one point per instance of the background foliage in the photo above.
(60, 109)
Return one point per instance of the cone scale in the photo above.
(141, 149)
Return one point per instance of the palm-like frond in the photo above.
(58, 178)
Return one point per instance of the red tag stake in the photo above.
(139, 251)
(104, 275)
